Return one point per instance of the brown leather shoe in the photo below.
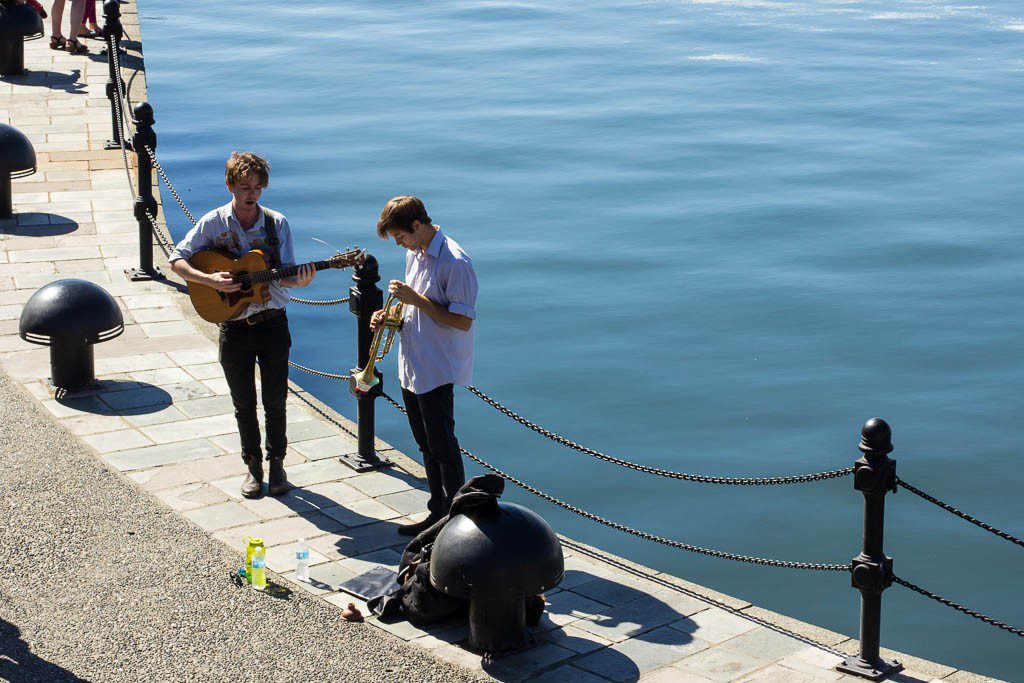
(252, 487)
(278, 483)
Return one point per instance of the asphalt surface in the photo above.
(101, 582)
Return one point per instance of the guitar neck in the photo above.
(287, 271)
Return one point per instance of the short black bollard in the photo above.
(113, 32)
(874, 476)
(17, 160)
(70, 316)
(145, 202)
(364, 299)
(496, 556)
(18, 22)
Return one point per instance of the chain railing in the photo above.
(657, 471)
(319, 373)
(818, 566)
(958, 607)
(962, 515)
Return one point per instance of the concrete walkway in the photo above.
(160, 415)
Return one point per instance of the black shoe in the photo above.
(278, 483)
(252, 487)
(417, 528)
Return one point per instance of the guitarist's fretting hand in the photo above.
(305, 275)
(223, 281)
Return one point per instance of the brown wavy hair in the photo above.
(241, 164)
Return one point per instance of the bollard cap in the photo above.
(509, 551)
(143, 112)
(111, 8)
(17, 155)
(70, 310)
(19, 21)
(876, 437)
(369, 271)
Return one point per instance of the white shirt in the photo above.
(431, 353)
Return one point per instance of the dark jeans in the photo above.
(432, 418)
(241, 348)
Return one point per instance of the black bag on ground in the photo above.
(415, 597)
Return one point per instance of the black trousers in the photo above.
(432, 419)
(242, 347)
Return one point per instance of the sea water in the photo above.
(711, 236)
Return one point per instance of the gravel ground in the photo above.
(100, 582)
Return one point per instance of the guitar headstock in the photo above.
(351, 257)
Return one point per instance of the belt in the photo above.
(254, 319)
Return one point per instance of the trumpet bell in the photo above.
(366, 379)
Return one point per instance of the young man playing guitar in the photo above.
(259, 332)
(436, 350)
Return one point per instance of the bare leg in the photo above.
(56, 17)
(77, 13)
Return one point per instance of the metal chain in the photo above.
(119, 112)
(958, 607)
(700, 478)
(320, 411)
(643, 534)
(319, 302)
(319, 373)
(962, 515)
(168, 183)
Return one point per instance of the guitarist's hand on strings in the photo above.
(223, 281)
(305, 275)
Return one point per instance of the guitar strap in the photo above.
(270, 229)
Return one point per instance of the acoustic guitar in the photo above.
(253, 273)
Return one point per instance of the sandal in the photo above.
(94, 33)
(75, 48)
(57, 43)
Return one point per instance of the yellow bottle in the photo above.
(259, 567)
(250, 548)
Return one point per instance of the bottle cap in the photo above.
(255, 541)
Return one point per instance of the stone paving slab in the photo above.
(159, 413)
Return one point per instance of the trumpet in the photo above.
(366, 379)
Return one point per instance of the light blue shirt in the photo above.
(432, 354)
(220, 229)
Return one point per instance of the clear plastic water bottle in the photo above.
(302, 561)
(259, 568)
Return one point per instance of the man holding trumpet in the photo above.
(436, 349)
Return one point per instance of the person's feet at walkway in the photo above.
(417, 528)
(277, 485)
(252, 485)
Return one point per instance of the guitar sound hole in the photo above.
(245, 282)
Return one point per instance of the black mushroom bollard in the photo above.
(17, 160)
(70, 316)
(17, 23)
(365, 298)
(497, 558)
(874, 476)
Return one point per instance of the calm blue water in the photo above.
(711, 236)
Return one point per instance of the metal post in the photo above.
(874, 476)
(12, 54)
(364, 299)
(113, 32)
(6, 200)
(145, 202)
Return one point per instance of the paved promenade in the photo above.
(160, 416)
